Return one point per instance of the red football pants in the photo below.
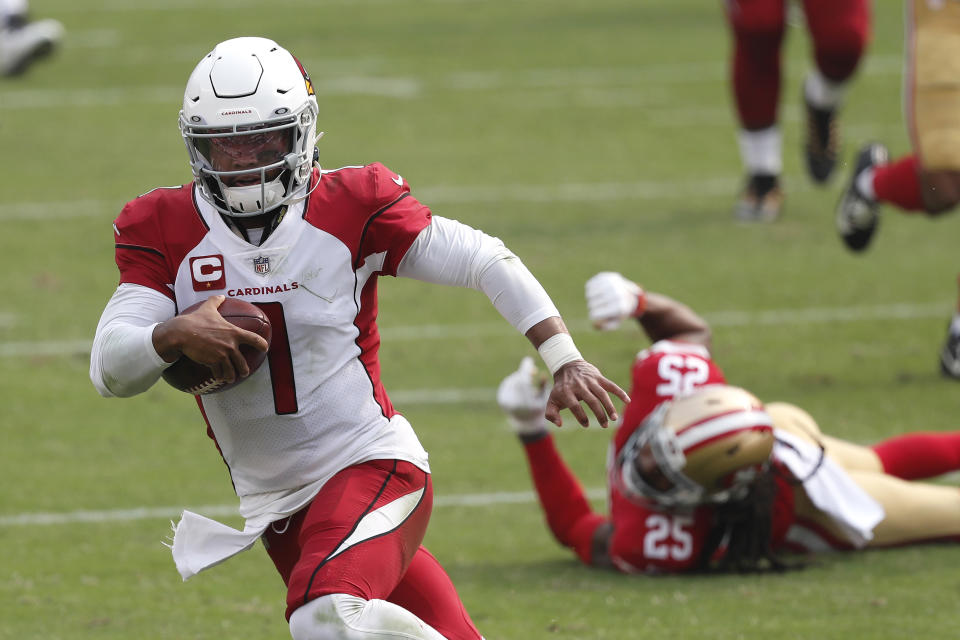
(839, 30)
(330, 547)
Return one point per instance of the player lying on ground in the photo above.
(703, 475)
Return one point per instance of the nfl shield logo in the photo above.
(261, 265)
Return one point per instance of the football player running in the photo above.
(329, 474)
(839, 30)
(702, 475)
(927, 180)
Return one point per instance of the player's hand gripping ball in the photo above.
(197, 379)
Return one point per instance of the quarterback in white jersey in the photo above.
(329, 474)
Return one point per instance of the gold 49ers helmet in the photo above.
(705, 447)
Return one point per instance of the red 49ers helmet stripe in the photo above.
(711, 429)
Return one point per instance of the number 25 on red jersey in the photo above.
(668, 537)
(681, 373)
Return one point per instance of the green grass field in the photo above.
(588, 136)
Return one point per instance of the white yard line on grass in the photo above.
(644, 78)
(706, 187)
(771, 317)
(222, 510)
(53, 348)
(59, 210)
(217, 5)
(146, 513)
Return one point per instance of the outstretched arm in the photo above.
(611, 299)
(523, 396)
(668, 319)
(451, 253)
(574, 379)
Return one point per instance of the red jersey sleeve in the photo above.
(139, 249)
(153, 233)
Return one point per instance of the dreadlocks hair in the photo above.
(743, 528)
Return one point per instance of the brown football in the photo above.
(197, 379)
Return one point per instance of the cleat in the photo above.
(950, 354)
(857, 215)
(23, 43)
(822, 143)
(761, 200)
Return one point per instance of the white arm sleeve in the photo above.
(123, 361)
(449, 252)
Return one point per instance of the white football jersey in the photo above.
(317, 405)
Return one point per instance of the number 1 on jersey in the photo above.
(280, 360)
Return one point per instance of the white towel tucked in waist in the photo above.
(830, 488)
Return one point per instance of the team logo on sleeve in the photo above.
(261, 264)
(208, 273)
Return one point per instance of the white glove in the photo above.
(610, 299)
(523, 397)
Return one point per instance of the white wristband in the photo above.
(558, 350)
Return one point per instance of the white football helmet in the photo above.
(705, 447)
(249, 121)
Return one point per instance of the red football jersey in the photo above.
(662, 371)
(647, 538)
